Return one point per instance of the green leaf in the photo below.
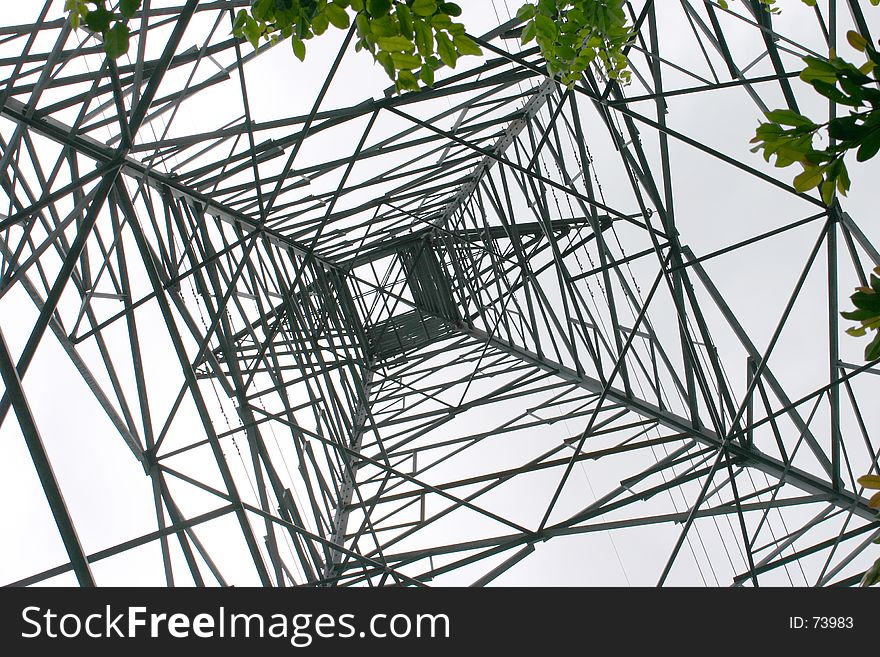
(362, 21)
(870, 146)
(546, 28)
(403, 61)
(424, 37)
(446, 50)
(866, 299)
(299, 48)
(528, 33)
(427, 75)
(843, 182)
(526, 12)
(790, 117)
(424, 7)
(74, 19)
(808, 179)
(812, 73)
(858, 315)
(466, 45)
(873, 575)
(384, 26)
(870, 481)
(252, 31)
(116, 40)
(395, 44)
(407, 81)
(443, 22)
(238, 24)
(845, 128)
(833, 93)
(405, 19)
(384, 59)
(378, 8)
(320, 23)
(827, 189)
(129, 7)
(450, 9)
(856, 40)
(872, 351)
(337, 16)
(98, 20)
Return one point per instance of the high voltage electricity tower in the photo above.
(425, 338)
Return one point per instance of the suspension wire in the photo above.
(290, 478)
(778, 510)
(702, 355)
(232, 434)
(565, 421)
(638, 383)
(609, 533)
(632, 278)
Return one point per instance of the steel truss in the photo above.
(412, 339)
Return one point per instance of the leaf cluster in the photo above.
(94, 15)
(410, 39)
(792, 138)
(872, 482)
(573, 34)
(867, 312)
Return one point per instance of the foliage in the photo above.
(410, 39)
(791, 137)
(572, 34)
(872, 482)
(867, 313)
(113, 30)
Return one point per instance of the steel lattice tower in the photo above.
(495, 331)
